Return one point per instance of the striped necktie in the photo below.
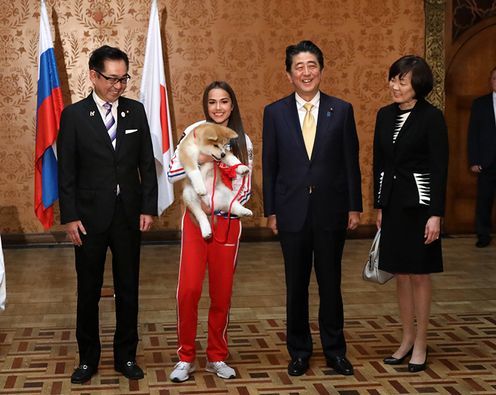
(110, 123)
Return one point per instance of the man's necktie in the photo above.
(110, 122)
(309, 128)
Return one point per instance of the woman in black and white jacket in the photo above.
(410, 173)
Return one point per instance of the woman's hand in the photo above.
(432, 229)
(202, 158)
(378, 221)
(205, 207)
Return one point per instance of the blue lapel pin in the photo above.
(331, 110)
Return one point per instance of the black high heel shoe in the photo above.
(397, 361)
(418, 367)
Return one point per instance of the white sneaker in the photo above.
(181, 371)
(221, 369)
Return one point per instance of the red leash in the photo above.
(230, 172)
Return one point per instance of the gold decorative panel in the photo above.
(242, 41)
(434, 47)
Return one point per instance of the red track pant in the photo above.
(196, 252)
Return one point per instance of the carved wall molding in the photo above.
(435, 16)
(468, 13)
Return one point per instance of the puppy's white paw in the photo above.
(242, 170)
(206, 230)
(245, 212)
(200, 189)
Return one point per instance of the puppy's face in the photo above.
(212, 139)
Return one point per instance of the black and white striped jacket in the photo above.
(417, 162)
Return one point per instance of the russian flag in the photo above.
(49, 108)
(154, 98)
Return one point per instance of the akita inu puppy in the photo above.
(209, 139)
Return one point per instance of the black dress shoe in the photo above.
(130, 370)
(397, 361)
(82, 374)
(418, 367)
(341, 365)
(297, 366)
(483, 242)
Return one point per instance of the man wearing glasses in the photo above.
(107, 195)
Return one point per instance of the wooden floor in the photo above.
(38, 347)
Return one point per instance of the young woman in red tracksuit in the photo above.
(219, 252)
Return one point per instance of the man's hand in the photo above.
(432, 229)
(272, 223)
(146, 222)
(353, 219)
(476, 168)
(73, 228)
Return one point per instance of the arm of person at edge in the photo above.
(432, 227)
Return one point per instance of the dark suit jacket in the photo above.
(417, 162)
(482, 133)
(333, 171)
(90, 169)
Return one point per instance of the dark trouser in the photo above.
(325, 248)
(486, 188)
(124, 244)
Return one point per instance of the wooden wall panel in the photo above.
(238, 40)
(467, 78)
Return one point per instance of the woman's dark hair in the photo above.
(303, 46)
(238, 146)
(422, 79)
(100, 55)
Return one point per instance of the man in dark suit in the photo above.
(108, 195)
(482, 159)
(312, 194)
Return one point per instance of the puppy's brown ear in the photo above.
(228, 133)
(211, 135)
(207, 132)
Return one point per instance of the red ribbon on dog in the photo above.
(227, 174)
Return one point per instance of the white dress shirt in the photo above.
(302, 111)
(494, 105)
(99, 103)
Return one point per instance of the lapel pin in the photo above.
(92, 113)
(331, 110)
(123, 114)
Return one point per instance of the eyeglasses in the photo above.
(115, 80)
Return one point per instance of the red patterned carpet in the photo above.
(462, 360)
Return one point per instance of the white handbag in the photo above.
(371, 271)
